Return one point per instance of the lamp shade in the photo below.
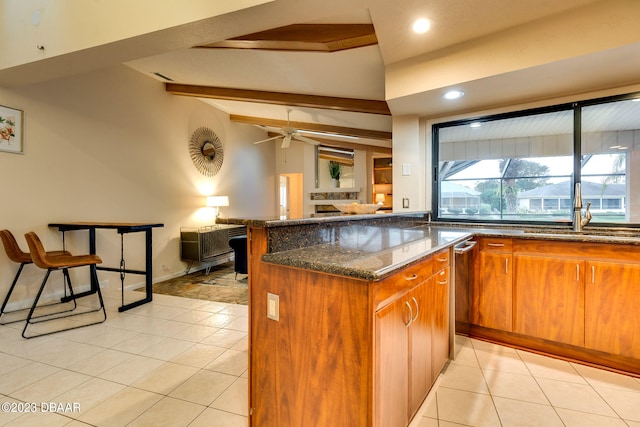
(380, 198)
(216, 201)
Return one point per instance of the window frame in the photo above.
(576, 176)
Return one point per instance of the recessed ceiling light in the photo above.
(475, 124)
(453, 94)
(421, 25)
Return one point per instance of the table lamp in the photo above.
(216, 202)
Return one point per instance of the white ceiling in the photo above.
(360, 73)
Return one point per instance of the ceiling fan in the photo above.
(288, 133)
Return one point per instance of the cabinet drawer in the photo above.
(441, 260)
(441, 278)
(396, 285)
(496, 245)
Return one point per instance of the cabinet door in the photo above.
(492, 291)
(440, 310)
(420, 343)
(392, 369)
(549, 299)
(612, 308)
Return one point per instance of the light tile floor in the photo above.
(492, 385)
(183, 362)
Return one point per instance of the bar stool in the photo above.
(60, 262)
(239, 246)
(16, 255)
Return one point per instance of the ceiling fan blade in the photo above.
(286, 142)
(305, 139)
(268, 139)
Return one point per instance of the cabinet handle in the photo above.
(442, 282)
(417, 309)
(496, 245)
(506, 266)
(412, 277)
(577, 272)
(441, 259)
(410, 315)
(593, 274)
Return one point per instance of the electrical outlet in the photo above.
(405, 203)
(273, 307)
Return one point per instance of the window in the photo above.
(507, 169)
(522, 166)
(609, 134)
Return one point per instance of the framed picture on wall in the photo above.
(10, 129)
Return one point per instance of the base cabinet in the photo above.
(440, 314)
(549, 299)
(393, 369)
(343, 352)
(414, 329)
(577, 300)
(612, 308)
(492, 286)
(403, 348)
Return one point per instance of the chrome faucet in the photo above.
(578, 221)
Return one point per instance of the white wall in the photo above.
(409, 151)
(112, 145)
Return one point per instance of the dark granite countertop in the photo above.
(267, 222)
(370, 252)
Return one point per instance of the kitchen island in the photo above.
(352, 318)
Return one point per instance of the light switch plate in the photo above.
(405, 203)
(406, 169)
(273, 307)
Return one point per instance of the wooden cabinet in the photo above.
(612, 308)
(392, 368)
(440, 313)
(403, 347)
(420, 345)
(491, 301)
(413, 328)
(576, 300)
(344, 351)
(549, 298)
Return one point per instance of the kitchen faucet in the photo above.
(578, 221)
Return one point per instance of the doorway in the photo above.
(291, 196)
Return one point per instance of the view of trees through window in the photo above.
(521, 168)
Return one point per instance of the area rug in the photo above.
(219, 285)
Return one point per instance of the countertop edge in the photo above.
(281, 258)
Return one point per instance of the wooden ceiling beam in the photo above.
(343, 144)
(304, 38)
(369, 106)
(340, 130)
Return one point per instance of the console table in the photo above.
(122, 228)
(209, 243)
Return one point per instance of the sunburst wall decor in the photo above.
(206, 151)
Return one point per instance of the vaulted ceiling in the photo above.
(346, 66)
